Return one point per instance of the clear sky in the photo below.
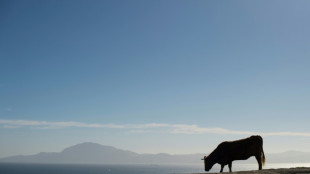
(153, 76)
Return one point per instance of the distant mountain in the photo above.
(289, 157)
(88, 153)
(92, 153)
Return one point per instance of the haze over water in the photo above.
(128, 169)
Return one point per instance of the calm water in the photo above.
(125, 169)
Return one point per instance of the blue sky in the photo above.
(153, 76)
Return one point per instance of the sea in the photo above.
(10, 168)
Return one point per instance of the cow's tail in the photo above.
(263, 159)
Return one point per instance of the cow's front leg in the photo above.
(222, 167)
(229, 166)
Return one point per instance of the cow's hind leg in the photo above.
(258, 158)
(222, 167)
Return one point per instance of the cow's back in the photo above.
(240, 149)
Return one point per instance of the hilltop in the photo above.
(299, 170)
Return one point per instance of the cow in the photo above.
(228, 151)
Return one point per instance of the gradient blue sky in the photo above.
(153, 76)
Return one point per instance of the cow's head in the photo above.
(208, 163)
